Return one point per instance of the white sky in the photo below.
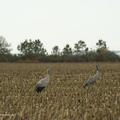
(60, 22)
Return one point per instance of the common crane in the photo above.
(93, 79)
(41, 84)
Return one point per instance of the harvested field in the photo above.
(64, 98)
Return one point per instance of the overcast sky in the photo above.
(61, 22)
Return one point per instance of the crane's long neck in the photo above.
(97, 72)
(48, 73)
(97, 68)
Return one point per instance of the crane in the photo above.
(41, 84)
(92, 79)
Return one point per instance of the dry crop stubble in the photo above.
(64, 97)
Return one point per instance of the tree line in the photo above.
(34, 51)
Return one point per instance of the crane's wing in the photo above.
(43, 82)
(91, 80)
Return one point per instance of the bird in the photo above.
(92, 79)
(41, 84)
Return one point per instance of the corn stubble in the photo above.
(64, 98)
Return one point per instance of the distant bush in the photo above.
(91, 56)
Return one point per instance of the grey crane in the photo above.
(92, 79)
(41, 84)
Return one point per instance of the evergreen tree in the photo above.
(4, 46)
